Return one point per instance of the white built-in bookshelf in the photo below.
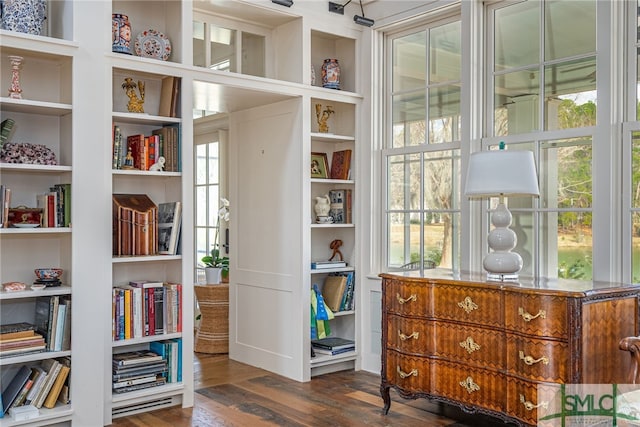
(72, 97)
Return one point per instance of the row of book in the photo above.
(338, 290)
(332, 346)
(40, 385)
(56, 206)
(53, 321)
(146, 308)
(140, 227)
(136, 370)
(141, 152)
(341, 206)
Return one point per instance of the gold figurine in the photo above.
(135, 105)
(322, 117)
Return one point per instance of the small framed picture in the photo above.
(319, 165)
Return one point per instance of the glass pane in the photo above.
(522, 225)
(199, 48)
(566, 177)
(635, 169)
(517, 102)
(409, 62)
(635, 248)
(201, 164)
(441, 180)
(517, 31)
(201, 206)
(214, 200)
(201, 243)
(409, 112)
(253, 52)
(638, 85)
(223, 49)
(404, 182)
(444, 53)
(570, 91)
(638, 19)
(404, 238)
(213, 163)
(568, 250)
(441, 239)
(444, 114)
(570, 28)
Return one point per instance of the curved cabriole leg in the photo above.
(386, 398)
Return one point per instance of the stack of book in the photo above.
(333, 345)
(20, 338)
(324, 265)
(136, 370)
(171, 351)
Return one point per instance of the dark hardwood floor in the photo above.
(229, 393)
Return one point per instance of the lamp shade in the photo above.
(501, 172)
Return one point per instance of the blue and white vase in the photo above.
(120, 33)
(23, 16)
(331, 74)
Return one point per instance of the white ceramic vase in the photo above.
(213, 275)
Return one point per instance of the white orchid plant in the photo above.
(215, 259)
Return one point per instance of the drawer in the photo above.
(538, 359)
(407, 298)
(523, 403)
(541, 315)
(471, 386)
(410, 373)
(410, 336)
(481, 306)
(474, 346)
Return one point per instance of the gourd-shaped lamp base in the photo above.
(500, 263)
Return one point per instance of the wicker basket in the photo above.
(213, 334)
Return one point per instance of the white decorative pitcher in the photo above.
(23, 16)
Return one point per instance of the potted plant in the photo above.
(217, 266)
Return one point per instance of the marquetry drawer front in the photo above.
(523, 402)
(541, 315)
(468, 304)
(474, 346)
(541, 360)
(406, 298)
(407, 372)
(480, 387)
(410, 336)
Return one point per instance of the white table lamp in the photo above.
(500, 173)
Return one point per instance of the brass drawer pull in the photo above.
(530, 406)
(468, 305)
(470, 345)
(531, 361)
(469, 385)
(528, 317)
(414, 373)
(404, 337)
(401, 300)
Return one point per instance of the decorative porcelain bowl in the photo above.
(48, 273)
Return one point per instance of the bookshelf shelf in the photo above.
(149, 258)
(322, 360)
(26, 168)
(329, 137)
(58, 414)
(332, 225)
(151, 338)
(331, 270)
(333, 181)
(35, 107)
(29, 293)
(35, 231)
(150, 174)
(27, 358)
(141, 118)
(120, 400)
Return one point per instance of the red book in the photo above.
(341, 164)
(51, 210)
(151, 307)
(135, 143)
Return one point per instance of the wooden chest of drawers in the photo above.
(487, 346)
